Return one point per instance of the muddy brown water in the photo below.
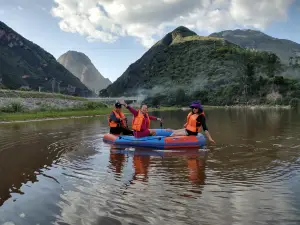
(61, 172)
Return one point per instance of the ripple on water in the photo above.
(248, 165)
(244, 182)
(163, 199)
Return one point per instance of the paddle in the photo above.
(161, 125)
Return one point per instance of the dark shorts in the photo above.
(119, 130)
(190, 133)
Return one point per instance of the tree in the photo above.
(272, 65)
(180, 96)
(156, 100)
(103, 93)
(297, 59)
(250, 72)
(291, 61)
(295, 103)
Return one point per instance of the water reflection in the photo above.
(62, 173)
(28, 151)
(117, 161)
(192, 162)
(131, 194)
(21, 164)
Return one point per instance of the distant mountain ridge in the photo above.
(184, 66)
(81, 66)
(24, 64)
(258, 40)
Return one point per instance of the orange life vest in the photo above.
(119, 116)
(138, 121)
(192, 124)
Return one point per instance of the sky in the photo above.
(116, 33)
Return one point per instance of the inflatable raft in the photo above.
(160, 141)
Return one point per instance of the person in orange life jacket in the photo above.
(141, 121)
(195, 120)
(117, 121)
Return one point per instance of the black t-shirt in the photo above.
(202, 120)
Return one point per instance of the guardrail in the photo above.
(114, 99)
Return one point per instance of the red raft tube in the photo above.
(160, 141)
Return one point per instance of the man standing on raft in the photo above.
(195, 120)
(141, 121)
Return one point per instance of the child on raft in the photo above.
(141, 121)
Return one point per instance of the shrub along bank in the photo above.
(17, 110)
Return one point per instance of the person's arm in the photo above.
(202, 120)
(113, 117)
(153, 118)
(209, 137)
(132, 110)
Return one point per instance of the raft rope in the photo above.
(154, 138)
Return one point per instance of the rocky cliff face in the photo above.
(24, 64)
(82, 67)
(285, 49)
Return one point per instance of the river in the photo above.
(61, 172)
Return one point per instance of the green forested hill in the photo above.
(286, 50)
(184, 66)
(25, 64)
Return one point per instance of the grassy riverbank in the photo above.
(62, 114)
(101, 111)
(6, 117)
(18, 111)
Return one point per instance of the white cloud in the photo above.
(107, 20)
(258, 15)
(19, 7)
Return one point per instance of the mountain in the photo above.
(184, 66)
(82, 67)
(261, 41)
(24, 64)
